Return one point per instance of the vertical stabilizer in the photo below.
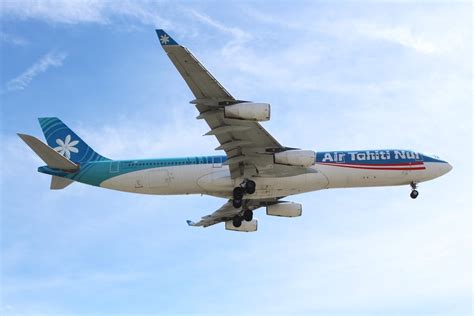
(62, 139)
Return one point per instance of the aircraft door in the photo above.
(114, 167)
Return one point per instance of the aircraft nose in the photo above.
(446, 167)
(449, 167)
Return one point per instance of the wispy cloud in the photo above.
(239, 36)
(364, 28)
(13, 39)
(84, 11)
(49, 60)
(398, 35)
(74, 11)
(236, 32)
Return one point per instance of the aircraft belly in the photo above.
(169, 180)
(283, 186)
(216, 180)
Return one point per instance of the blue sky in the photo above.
(339, 76)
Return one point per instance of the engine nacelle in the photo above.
(245, 227)
(285, 209)
(248, 111)
(303, 158)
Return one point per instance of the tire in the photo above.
(250, 187)
(237, 221)
(248, 215)
(238, 193)
(414, 194)
(237, 203)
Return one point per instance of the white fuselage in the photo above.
(215, 180)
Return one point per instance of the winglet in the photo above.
(191, 223)
(165, 39)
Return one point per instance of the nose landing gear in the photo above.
(414, 192)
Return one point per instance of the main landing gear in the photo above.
(414, 192)
(246, 216)
(246, 187)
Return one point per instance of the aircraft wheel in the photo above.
(248, 215)
(250, 187)
(237, 221)
(414, 194)
(238, 193)
(237, 203)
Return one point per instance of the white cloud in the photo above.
(49, 60)
(13, 39)
(236, 32)
(130, 137)
(239, 37)
(84, 11)
(399, 35)
(75, 11)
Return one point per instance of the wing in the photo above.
(227, 211)
(247, 144)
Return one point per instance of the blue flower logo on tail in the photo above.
(66, 147)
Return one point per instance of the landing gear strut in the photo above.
(246, 187)
(237, 196)
(414, 193)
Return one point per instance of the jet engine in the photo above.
(285, 209)
(248, 111)
(302, 158)
(245, 227)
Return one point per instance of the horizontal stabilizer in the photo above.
(50, 156)
(58, 183)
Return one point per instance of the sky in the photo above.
(339, 76)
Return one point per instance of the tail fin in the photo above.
(62, 139)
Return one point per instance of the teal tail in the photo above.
(62, 139)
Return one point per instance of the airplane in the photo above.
(256, 170)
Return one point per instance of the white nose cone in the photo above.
(445, 168)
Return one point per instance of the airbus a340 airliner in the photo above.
(256, 171)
